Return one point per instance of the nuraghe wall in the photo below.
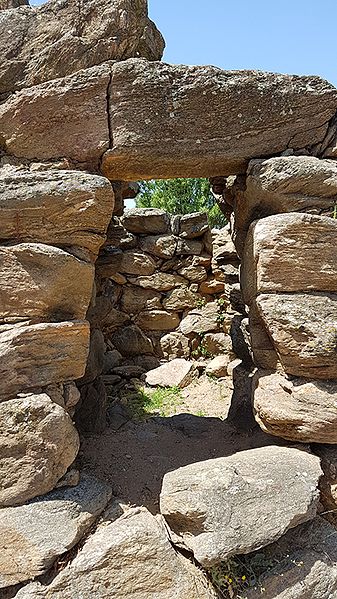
(85, 106)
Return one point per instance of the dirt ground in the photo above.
(133, 455)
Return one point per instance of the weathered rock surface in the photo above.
(286, 184)
(90, 414)
(181, 298)
(95, 361)
(38, 442)
(296, 409)
(217, 343)
(135, 299)
(328, 482)
(130, 558)
(131, 341)
(307, 569)
(163, 246)
(177, 373)
(157, 320)
(234, 505)
(5, 4)
(290, 252)
(175, 345)
(201, 320)
(40, 354)
(160, 281)
(42, 207)
(29, 548)
(303, 330)
(39, 281)
(146, 220)
(215, 122)
(193, 225)
(62, 118)
(218, 366)
(58, 39)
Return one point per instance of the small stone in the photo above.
(218, 366)
(193, 225)
(157, 320)
(177, 373)
(163, 246)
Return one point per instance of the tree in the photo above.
(181, 196)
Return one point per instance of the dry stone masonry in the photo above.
(90, 296)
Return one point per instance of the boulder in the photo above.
(135, 262)
(56, 39)
(304, 565)
(189, 247)
(146, 220)
(40, 354)
(63, 208)
(239, 503)
(302, 328)
(135, 299)
(61, 118)
(38, 442)
(131, 341)
(175, 345)
(285, 184)
(133, 558)
(160, 281)
(177, 373)
(193, 225)
(219, 119)
(163, 246)
(218, 366)
(157, 320)
(29, 549)
(288, 253)
(181, 298)
(296, 409)
(201, 320)
(39, 281)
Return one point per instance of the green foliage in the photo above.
(161, 401)
(181, 196)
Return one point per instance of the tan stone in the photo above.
(38, 442)
(285, 184)
(130, 558)
(36, 355)
(135, 299)
(134, 262)
(217, 122)
(65, 117)
(146, 220)
(175, 345)
(64, 208)
(203, 320)
(56, 40)
(29, 549)
(212, 286)
(302, 328)
(218, 366)
(157, 320)
(193, 225)
(181, 298)
(296, 409)
(328, 482)
(290, 252)
(159, 281)
(195, 274)
(163, 246)
(217, 344)
(39, 281)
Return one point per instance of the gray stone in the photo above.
(38, 442)
(218, 121)
(131, 341)
(201, 320)
(95, 361)
(181, 298)
(135, 299)
(193, 225)
(304, 565)
(129, 558)
(35, 534)
(240, 503)
(91, 410)
(175, 345)
(111, 360)
(163, 246)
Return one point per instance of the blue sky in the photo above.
(287, 36)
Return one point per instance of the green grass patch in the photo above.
(162, 401)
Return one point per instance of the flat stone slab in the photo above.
(129, 558)
(240, 503)
(35, 534)
(203, 121)
(176, 373)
